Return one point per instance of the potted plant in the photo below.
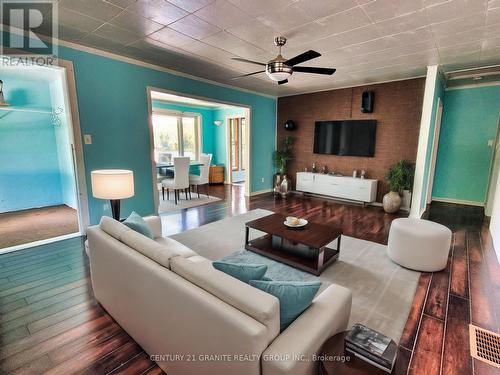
(282, 183)
(400, 178)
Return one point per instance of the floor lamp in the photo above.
(113, 184)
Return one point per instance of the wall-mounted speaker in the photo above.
(290, 125)
(367, 101)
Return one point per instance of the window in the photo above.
(235, 144)
(237, 127)
(176, 135)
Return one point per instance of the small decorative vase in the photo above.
(391, 202)
(285, 186)
(277, 183)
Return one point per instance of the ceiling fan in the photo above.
(280, 69)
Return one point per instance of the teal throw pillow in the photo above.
(294, 297)
(137, 223)
(241, 271)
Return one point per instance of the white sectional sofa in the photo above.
(193, 319)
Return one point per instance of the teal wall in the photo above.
(470, 119)
(63, 144)
(112, 99)
(438, 94)
(29, 165)
(220, 145)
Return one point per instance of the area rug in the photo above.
(382, 291)
(169, 205)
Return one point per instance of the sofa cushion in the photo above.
(294, 297)
(243, 272)
(148, 247)
(259, 305)
(137, 223)
(176, 246)
(113, 227)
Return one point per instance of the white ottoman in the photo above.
(420, 245)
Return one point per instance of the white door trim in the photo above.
(77, 146)
(247, 108)
(435, 147)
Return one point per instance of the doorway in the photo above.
(237, 145)
(196, 127)
(40, 199)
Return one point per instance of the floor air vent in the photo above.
(485, 345)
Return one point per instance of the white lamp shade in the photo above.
(112, 183)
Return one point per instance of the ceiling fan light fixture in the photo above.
(278, 71)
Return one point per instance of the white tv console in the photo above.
(343, 187)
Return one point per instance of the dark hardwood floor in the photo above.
(50, 322)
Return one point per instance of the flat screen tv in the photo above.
(345, 138)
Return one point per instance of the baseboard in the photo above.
(458, 201)
(259, 192)
(38, 243)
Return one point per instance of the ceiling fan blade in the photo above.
(248, 74)
(283, 82)
(312, 69)
(306, 56)
(247, 61)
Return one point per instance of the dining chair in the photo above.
(180, 181)
(202, 179)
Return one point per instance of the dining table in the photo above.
(168, 168)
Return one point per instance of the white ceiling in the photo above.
(366, 40)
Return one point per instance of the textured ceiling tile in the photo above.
(458, 25)
(256, 33)
(323, 8)
(260, 7)
(79, 21)
(135, 23)
(194, 27)
(490, 44)
(404, 23)
(475, 35)
(206, 50)
(285, 18)
(356, 36)
(70, 33)
(455, 9)
(380, 10)
(223, 14)
(158, 10)
(171, 37)
(94, 8)
(116, 34)
(232, 44)
(492, 4)
(345, 21)
(191, 5)
(96, 41)
(121, 3)
(493, 16)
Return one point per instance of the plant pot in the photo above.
(285, 187)
(391, 202)
(406, 200)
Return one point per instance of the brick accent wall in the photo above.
(397, 109)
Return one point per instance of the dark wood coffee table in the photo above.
(303, 248)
